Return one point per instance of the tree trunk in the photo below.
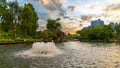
(25, 29)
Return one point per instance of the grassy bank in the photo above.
(11, 40)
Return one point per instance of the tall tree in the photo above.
(7, 21)
(2, 8)
(6, 17)
(14, 9)
(29, 20)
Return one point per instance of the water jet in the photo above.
(42, 49)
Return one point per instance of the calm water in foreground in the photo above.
(74, 55)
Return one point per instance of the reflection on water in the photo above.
(75, 55)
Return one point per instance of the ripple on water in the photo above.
(76, 54)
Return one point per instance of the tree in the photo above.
(3, 2)
(102, 33)
(54, 30)
(14, 9)
(53, 24)
(38, 35)
(7, 21)
(117, 29)
(6, 17)
(2, 8)
(18, 21)
(46, 35)
(83, 34)
(29, 20)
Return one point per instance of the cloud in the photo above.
(76, 11)
(111, 13)
(71, 8)
(54, 7)
(112, 8)
(52, 4)
(42, 26)
(70, 25)
(89, 17)
(111, 1)
(86, 18)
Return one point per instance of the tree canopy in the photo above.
(29, 20)
(53, 31)
(96, 33)
(53, 24)
(17, 19)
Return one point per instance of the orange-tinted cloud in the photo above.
(112, 8)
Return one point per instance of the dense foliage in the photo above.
(18, 21)
(98, 33)
(28, 20)
(53, 31)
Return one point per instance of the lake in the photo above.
(73, 55)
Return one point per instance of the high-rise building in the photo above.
(97, 23)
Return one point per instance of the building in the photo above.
(97, 23)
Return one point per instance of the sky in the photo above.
(75, 14)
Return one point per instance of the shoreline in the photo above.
(22, 42)
(17, 42)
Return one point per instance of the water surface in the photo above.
(75, 55)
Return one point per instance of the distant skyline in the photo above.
(82, 11)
